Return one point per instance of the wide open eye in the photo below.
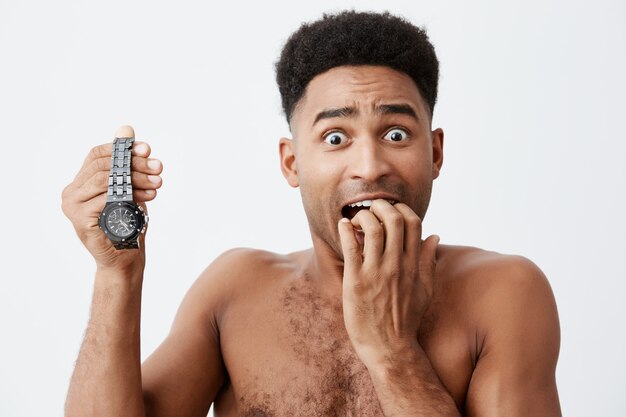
(335, 138)
(397, 135)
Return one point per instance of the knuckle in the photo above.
(402, 207)
(139, 178)
(396, 219)
(137, 163)
(94, 152)
(359, 214)
(413, 220)
(376, 203)
(97, 181)
(92, 167)
(377, 231)
(65, 208)
(70, 210)
(394, 271)
(66, 191)
(103, 164)
(101, 177)
(66, 199)
(357, 287)
(393, 268)
(353, 251)
(377, 275)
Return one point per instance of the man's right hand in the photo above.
(84, 198)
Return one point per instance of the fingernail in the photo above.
(345, 220)
(154, 164)
(140, 148)
(154, 178)
(150, 192)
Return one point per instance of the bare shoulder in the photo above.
(498, 292)
(239, 264)
(490, 273)
(508, 307)
(507, 297)
(472, 260)
(236, 262)
(236, 272)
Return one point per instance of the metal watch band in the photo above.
(120, 182)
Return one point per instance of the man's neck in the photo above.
(325, 268)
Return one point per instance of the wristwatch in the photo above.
(122, 220)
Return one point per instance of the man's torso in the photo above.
(287, 352)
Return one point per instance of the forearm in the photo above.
(407, 385)
(107, 377)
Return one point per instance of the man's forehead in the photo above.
(357, 89)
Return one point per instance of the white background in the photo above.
(531, 102)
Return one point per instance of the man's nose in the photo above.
(369, 160)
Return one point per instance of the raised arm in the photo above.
(515, 372)
(107, 377)
(183, 376)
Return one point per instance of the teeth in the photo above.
(367, 203)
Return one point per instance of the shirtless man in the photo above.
(372, 320)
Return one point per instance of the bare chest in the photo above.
(291, 356)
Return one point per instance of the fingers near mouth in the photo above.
(350, 210)
(360, 236)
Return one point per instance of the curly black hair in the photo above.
(356, 38)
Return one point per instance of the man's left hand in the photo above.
(387, 282)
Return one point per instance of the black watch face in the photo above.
(122, 221)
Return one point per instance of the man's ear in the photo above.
(437, 136)
(288, 161)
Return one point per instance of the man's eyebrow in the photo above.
(335, 112)
(380, 109)
(397, 109)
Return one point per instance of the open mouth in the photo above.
(350, 210)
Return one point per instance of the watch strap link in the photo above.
(120, 182)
